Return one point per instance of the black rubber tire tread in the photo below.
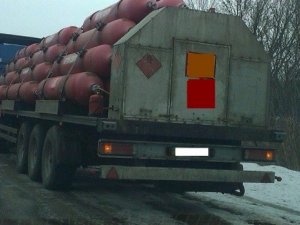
(35, 148)
(56, 175)
(22, 147)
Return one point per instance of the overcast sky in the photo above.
(40, 18)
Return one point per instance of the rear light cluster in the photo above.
(253, 154)
(115, 149)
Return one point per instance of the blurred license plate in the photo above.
(203, 152)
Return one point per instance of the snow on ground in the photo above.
(285, 193)
(277, 203)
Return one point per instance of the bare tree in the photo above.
(202, 4)
(276, 23)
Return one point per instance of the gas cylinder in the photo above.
(41, 71)
(26, 74)
(114, 30)
(22, 63)
(65, 35)
(38, 57)
(70, 46)
(109, 34)
(13, 91)
(27, 91)
(96, 105)
(105, 16)
(61, 37)
(20, 54)
(31, 49)
(136, 10)
(76, 87)
(49, 41)
(98, 59)
(3, 91)
(85, 40)
(12, 77)
(170, 3)
(10, 67)
(71, 63)
(53, 52)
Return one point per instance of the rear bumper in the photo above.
(184, 174)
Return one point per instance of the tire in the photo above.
(22, 147)
(35, 148)
(57, 171)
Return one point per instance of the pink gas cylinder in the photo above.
(114, 30)
(105, 16)
(170, 3)
(13, 91)
(38, 57)
(27, 91)
(26, 74)
(12, 77)
(98, 60)
(41, 71)
(85, 40)
(10, 67)
(49, 41)
(53, 52)
(76, 87)
(3, 92)
(109, 34)
(31, 49)
(20, 54)
(22, 63)
(136, 10)
(71, 63)
(65, 35)
(61, 37)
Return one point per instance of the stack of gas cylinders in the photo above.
(74, 64)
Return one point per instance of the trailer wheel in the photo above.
(36, 142)
(57, 172)
(22, 147)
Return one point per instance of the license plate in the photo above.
(200, 152)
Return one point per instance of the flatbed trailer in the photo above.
(150, 132)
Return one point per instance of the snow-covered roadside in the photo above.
(277, 203)
(285, 193)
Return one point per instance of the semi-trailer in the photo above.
(167, 95)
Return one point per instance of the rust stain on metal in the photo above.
(149, 65)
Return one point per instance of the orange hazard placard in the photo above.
(200, 65)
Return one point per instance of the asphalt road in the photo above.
(91, 201)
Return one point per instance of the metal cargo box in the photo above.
(227, 86)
